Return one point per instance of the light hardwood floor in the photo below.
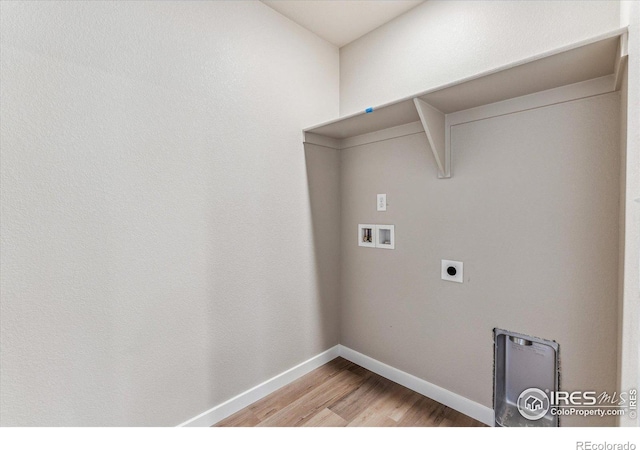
(341, 394)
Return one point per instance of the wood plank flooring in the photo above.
(343, 394)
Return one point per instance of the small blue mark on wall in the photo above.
(368, 110)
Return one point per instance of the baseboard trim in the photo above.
(246, 398)
(448, 398)
(235, 404)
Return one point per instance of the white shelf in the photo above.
(591, 59)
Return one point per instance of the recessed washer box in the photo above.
(452, 271)
(366, 235)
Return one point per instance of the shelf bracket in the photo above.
(621, 61)
(433, 122)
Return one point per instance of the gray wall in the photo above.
(323, 175)
(531, 210)
(157, 248)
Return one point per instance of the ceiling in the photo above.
(341, 21)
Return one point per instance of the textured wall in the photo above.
(531, 210)
(323, 174)
(442, 41)
(158, 254)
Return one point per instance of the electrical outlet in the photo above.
(452, 271)
(382, 202)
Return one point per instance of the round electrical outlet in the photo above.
(451, 271)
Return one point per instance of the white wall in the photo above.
(630, 330)
(532, 211)
(439, 42)
(157, 247)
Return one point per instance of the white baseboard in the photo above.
(468, 407)
(448, 398)
(235, 404)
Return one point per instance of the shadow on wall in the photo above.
(323, 177)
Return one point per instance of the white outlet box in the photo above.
(381, 202)
(452, 271)
(385, 236)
